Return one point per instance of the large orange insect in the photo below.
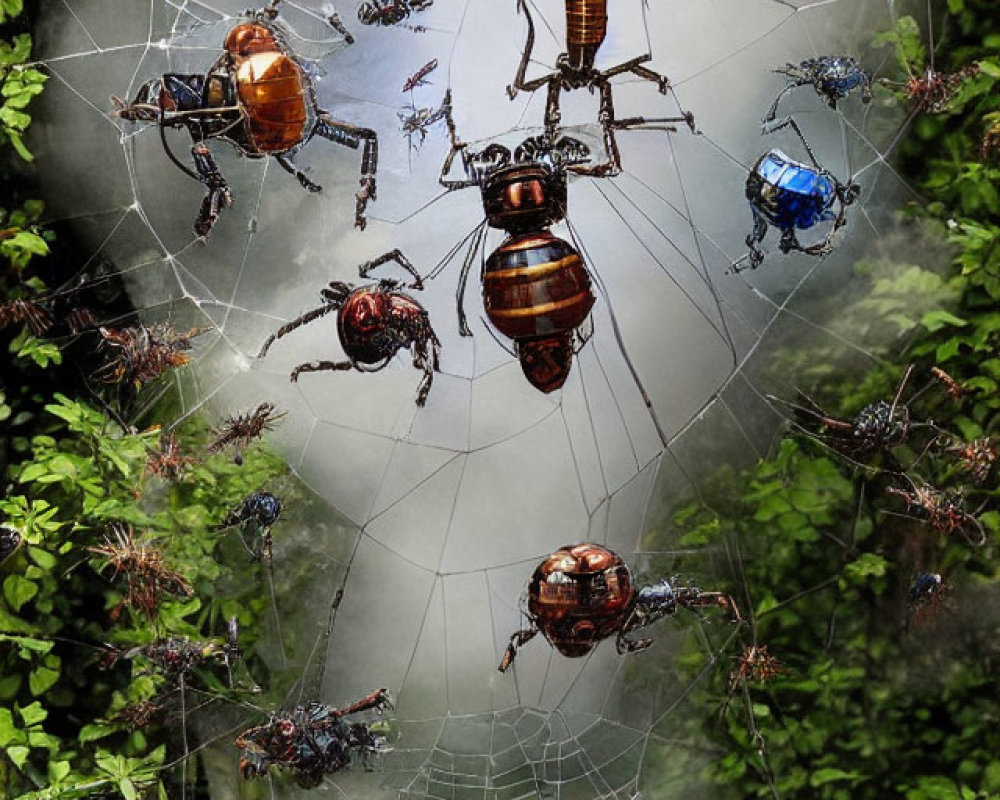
(257, 96)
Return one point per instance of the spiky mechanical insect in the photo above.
(10, 540)
(390, 12)
(258, 96)
(175, 657)
(791, 195)
(139, 714)
(374, 322)
(311, 741)
(146, 572)
(976, 458)
(254, 518)
(14, 312)
(166, 460)
(415, 121)
(931, 91)
(755, 664)
(943, 510)
(952, 388)
(584, 593)
(239, 431)
(141, 354)
(586, 27)
(833, 78)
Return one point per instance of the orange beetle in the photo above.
(257, 96)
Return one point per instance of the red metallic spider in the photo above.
(258, 96)
(374, 322)
(584, 593)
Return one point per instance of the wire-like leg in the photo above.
(309, 316)
(300, 176)
(219, 196)
(520, 84)
(789, 122)
(519, 639)
(463, 279)
(366, 269)
(773, 111)
(320, 366)
(352, 136)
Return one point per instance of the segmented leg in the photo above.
(519, 639)
(366, 269)
(426, 356)
(320, 366)
(773, 111)
(377, 699)
(219, 196)
(290, 168)
(625, 645)
(352, 136)
(520, 84)
(309, 316)
(753, 240)
(463, 279)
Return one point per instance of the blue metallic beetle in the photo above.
(833, 78)
(254, 517)
(789, 194)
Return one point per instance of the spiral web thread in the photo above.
(445, 511)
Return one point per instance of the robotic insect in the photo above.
(791, 195)
(419, 78)
(586, 27)
(536, 289)
(415, 121)
(140, 355)
(833, 78)
(390, 12)
(927, 588)
(258, 96)
(374, 322)
(176, 657)
(10, 540)
(255, 516)
(931, 91)
(584, 593)
(944, 511)
(311, 741)
(240, 430)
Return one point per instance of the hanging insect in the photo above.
(312, 741)
(167, 461)
(584, 593)
(976, 458)
(952, 388)
(258, 96)
(927, 588)
(415, 121)
(240, 430)
(931, 91)
(943, 510)
(141, 354)
(833, 78)
(791, 195)
(536, 289)
(147, 575)
(254, 518)
(419, 78)
(586, 28)
(10, 540)
(755, 664)
(384, 13)
(40, 318)
(374, 322)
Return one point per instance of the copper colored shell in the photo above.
(250, 38)
(536, 285)
(524, 197)
(366, 326)
(586, 27)
(580, 595)
(271, 91)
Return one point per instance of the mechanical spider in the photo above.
(755, 664)
(240, 430)
(254, 518)
(943, 510)
(977, 458)
(415, 121)
(311, 741)
(536, 289)
(791, 195)
(931, 91)
(586, 27)
(584, 593)
(374, 322)
(833, 78)
(258, 96)
(142, 354)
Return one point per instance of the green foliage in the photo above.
(20, 83)
(877, 701)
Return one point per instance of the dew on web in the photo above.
(441, 513)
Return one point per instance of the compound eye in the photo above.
(525, 194)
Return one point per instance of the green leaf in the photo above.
(939, 318)
(33, 714)
(17, 591)
(18, 754)
(127, 788)
(41, 679)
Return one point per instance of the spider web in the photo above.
(443, 512)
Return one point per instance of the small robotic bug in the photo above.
(240, 430)
(374, 322)
(833, 78)
(584, 593)
(390, 12)
(311, 741)
(586, 28)
(254, 517)
(257, 96)
(791, 195)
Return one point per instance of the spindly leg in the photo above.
(754, 238)
(789, 122)
(519, 84)
(519, 639)
(377, 699)
(218, 196)
(309, 316)
(320, 366)
(290, 168)
(463, 279)
(366, 269)
(351, 136)
(625, 645)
